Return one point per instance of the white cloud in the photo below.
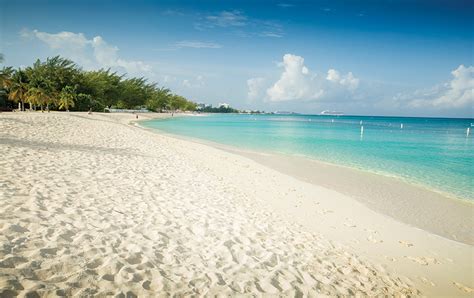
(240, 24)
(227, 19)
(457, 93)
(196, 82)
(186, 83)
(269, 29)
(90, 53)
(294, 83)
(61, 39)
(255, 88)
(271, 34)
(347, 80)
(333, 75)
(298, 83)
(107, 56)
(197, 44)
(168, 79)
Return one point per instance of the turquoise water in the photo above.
(433, 152)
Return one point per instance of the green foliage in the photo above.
(60, 84)
(67, 97)
(18, 87)
(6, 77)
(159, 99)
(220, 109)
(102, 86)
(38, 96)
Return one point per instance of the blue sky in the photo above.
(360, 57)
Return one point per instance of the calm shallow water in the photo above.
(434, 152)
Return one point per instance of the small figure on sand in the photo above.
(90, 111)
(136, 116)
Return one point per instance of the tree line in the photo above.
(59, 83)
(220, 109)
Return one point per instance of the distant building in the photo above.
(224, 105)
(202, 106)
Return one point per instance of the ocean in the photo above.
(435, 153)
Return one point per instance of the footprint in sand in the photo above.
(407, 244)
(350, 225)
(463, 287)
(372, 239)
(427, 281)
(425, 261)
(45, 252)
(94, 264)
(146, 285)
(392, 259)
(108, 277)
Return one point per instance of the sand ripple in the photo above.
(94, 207)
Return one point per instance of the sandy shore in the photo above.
(437, 213)
(92, 205)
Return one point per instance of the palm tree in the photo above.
(38, 96)
(66, 98)
(18, 88)
(6, 77)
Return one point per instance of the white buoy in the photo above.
(360, 122)
(468, 131)
(401, 126)
(332, 120)
(361, 130)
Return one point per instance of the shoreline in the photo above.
(401, 179)
(414, 204)
(94, 204)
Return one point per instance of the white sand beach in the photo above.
(93, 205)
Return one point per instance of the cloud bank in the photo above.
(90, 53)
(238, 23)
(297, 85)
(254, 86)
(197, 82)
(227, 19)
(297, 82)
(457, 93)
